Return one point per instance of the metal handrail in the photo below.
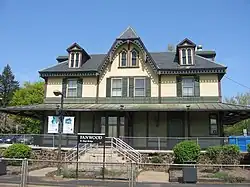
(126, 150)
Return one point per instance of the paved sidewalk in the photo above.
(42, 172)
(153, 176)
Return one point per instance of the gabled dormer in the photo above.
(77, 56)
(186, 52)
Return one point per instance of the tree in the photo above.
(29, 94)
(237, 129)
(8, 85)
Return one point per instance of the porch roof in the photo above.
(131, 107)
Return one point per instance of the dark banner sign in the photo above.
(91, 137)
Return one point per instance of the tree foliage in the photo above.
(8, 85)
(237, 129)
(29, 94)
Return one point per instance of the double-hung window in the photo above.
(139, 87)
(116, 87)
(188, 86)
(72, 88)
(123, 59)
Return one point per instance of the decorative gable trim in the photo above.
(67, 74)
(193, 71)
(118, 43)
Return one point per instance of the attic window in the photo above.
(74, 59)
(186, 57)
(134, 58)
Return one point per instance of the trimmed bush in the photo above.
(213, 153)
(186, 151)
(227, 154)
(248, 148)
(18, 151)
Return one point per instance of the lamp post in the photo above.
(59, 154)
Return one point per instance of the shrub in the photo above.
(227, 154)
(213, 153)
(186, 151)
(156, 159)
(248, 148)
(17, 151)
(230, 154)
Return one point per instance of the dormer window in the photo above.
(77, 56)
(186, 57)
(74, 60)
(186, 53)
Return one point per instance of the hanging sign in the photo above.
(68, 125)
(53, 124)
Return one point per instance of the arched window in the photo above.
(72, 60)
(124, 59)
(134, 58)
(189, 57)
(184, 56)
(77, 60)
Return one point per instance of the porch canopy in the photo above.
(231, 113)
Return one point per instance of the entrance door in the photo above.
(113, 126)
(175, 130)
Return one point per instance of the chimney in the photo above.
(199, 48)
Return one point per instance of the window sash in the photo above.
(124, 59)
(188, 87)
(140, 90)
(116, 87)
(72, 60)
(77, 60)
(134, 58)
(189, 52)
(72, 88)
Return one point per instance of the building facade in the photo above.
(131, 92)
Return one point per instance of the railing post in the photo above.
(197, 141)
(53, 140)
(24, 173)
(159, 143)
(24, 137)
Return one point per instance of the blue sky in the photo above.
(34, 33)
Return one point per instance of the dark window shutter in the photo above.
(131, 86)
(148, 87)
(197, 86)
(64, 87)
(179, 86)
(79, 88)
(124, 87)
(108, 87)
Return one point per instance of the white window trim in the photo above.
(192, 57)
(137, 58)
(121, 58)
(71, 87)
(144, 86)
(112, 86)
(79, 59)
(188, 77)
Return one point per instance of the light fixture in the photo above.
(57, 92)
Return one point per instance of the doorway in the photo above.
(113, 126)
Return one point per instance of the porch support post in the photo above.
(221, 128)
(147, 127)
(93, 122)
(78, 114)
(187, 122)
